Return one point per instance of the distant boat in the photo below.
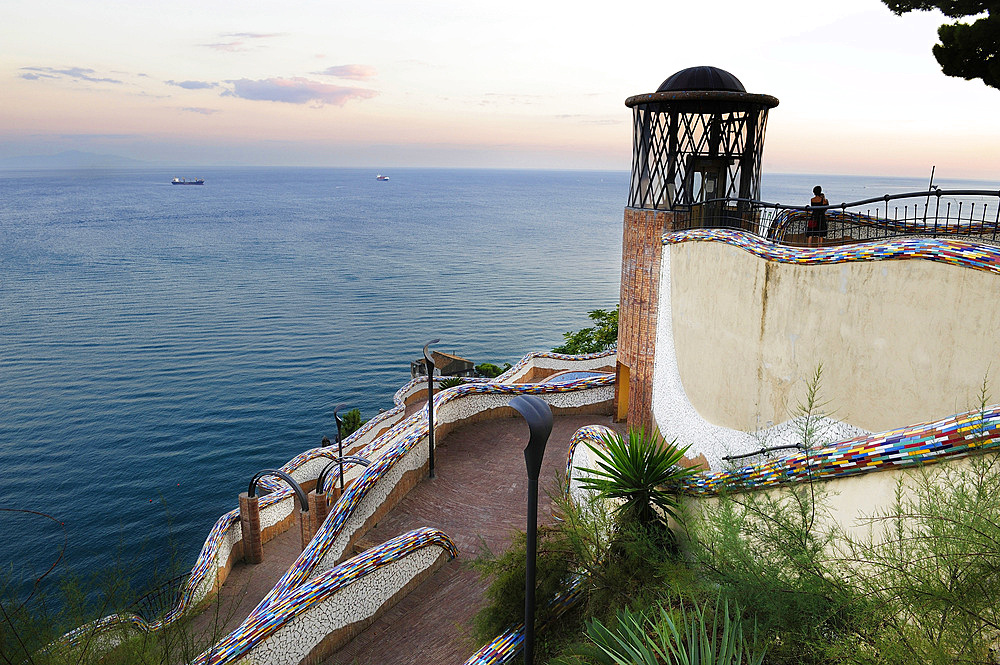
(185, 181)
(381, 177)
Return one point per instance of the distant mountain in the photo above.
(72, 159)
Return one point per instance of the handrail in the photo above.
(878, 199)
(393, 442)
(298, 600)
(955, 212)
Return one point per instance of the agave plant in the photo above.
(654, 637)
(640, 470)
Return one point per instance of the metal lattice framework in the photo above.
(691, 146)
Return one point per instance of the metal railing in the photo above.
(160, 600)
(973, 213)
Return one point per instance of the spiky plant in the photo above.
(642, 471)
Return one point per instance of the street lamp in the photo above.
(429, 364)
(340, 444)
(538, 414)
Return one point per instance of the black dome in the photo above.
(701, 78)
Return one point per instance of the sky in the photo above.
(515, 84)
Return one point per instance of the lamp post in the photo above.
(538, 414)
(340, 444)
(429, 364)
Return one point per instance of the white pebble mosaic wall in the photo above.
(676, 416)
(359, 601)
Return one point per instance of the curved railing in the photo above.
(299, 602)
(384, 451)
(934, 213)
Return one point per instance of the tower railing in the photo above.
(969, 213)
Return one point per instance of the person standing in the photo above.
(816, 228)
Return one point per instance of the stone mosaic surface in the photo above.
(373, 484)
(941, 250)
(302, 616)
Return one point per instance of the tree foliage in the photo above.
(601, 337)
(967, 50)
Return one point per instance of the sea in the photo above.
(160, 344)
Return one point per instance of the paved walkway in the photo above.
(479, 495)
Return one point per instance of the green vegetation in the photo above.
(661, 637)
(770, 577)
(351, 422)
(491, 371)
(967, 50)
(638, 470)
(451, 382)
(601, 337)
(31, 621)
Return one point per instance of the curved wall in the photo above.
(900, 341)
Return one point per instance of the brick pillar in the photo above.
(642, 252)
(253, 547)
(318, 510)
(305, 524)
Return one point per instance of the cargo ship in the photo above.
(185, 181)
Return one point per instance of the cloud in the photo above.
(193, 85)
(237, 41)
(353, 72)
(199, 109)
(295, 90)
(232, 47)
(97, 137)
(72, 73)
(254, 35)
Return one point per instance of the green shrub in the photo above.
(642, 472)
(451, 382)
(491, 371)
(351, 422)
(505, 572)
(683, 636)
(601, 337)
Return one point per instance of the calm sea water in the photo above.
(159, 344)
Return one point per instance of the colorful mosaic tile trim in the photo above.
(385, 451)
(301, 599)
(505, 647)
(953, 252)
(925, 443)
(412, 431)
(592, 435)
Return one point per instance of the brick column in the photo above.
(305, 524)
(253, 547)
(642, 251)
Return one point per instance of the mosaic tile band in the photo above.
(953, 252)
(385, 451)
(301, 599)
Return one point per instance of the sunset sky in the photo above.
(473, 84)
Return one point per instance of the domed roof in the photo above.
(701, 78)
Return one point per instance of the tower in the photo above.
(698, 138)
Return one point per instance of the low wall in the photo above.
(398, 449)
(307, 623)
(905, 330)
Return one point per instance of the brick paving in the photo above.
(479, 495)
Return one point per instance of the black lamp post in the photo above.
(538, 414)
(429, 364)
(340, 444)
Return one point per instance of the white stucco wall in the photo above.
(739, 337)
